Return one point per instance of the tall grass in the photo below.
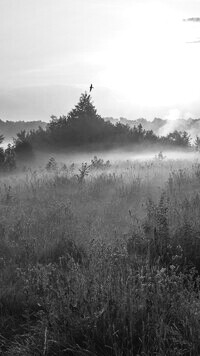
(105, 265)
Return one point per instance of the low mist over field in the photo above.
(117, 156)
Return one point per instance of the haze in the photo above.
(141, 56)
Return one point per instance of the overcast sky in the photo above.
(142, 56)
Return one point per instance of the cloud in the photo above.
(196, 41)
(192, 19)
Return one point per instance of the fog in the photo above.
(116, 156)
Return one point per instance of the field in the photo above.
(101, 260)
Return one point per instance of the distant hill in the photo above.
(9, 129)
(162, 127)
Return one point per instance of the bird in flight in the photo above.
(91, 87)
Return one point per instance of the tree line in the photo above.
(83, 128)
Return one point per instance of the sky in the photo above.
(142, 57)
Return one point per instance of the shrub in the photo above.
(83, 172)
(98, 163)
(51, 164)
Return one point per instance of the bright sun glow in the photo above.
(150, 62)
(140, 55)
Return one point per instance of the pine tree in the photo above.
(84, 108)
(81, 126)
(83, 122)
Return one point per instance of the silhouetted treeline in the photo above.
(84, 127)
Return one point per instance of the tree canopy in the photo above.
(83, 126)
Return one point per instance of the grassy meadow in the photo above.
(101, 259)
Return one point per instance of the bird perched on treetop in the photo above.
(91, 87)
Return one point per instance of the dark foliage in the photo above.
(7, 157)
(83, 127)
(22, 146)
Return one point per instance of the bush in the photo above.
(51, 164)
(98, 163)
